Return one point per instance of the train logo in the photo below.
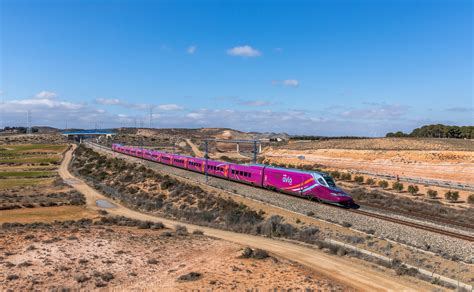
(287, 179)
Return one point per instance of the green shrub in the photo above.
(432, 194)
(335, 174)
(397, 186)
(370, 181)
(346, 176)
(470, 199)
(451, 196)
(383, 184)
(413, 189)
(359, 179)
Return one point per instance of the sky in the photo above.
(330, 68)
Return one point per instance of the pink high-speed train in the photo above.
(309, 184)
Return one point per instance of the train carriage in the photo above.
(217, 168)
(167, 158)
(309, 184)
(147, 154)
(180, 161)
(155, 156)
(196, 164)
(250, 174)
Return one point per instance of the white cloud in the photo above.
(170, 107)
(240, 101)
(192, 49)
(287, 82)
(41, 103)
(195, 116)
(46, 94)
(108, 101)
(244, 51)
(291, 82)
(377, 112)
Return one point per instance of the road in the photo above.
(195, 149)
(340, 269)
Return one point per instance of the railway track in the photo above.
(378, 216)
(433, 219)
(414, 225)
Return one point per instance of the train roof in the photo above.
(287, 168)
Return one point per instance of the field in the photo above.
(30, 184)
(86, 257)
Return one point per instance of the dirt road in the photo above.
(195, 149)
(341, 269)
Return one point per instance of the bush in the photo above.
(80, 278)
(198, 232)
(383, 184)
(260, 254)
(370, 181)
(432, 194)
(413, 189)
(359, 179)
(346, 176)
(181, 230)
(397, 186)
(246, 253)
(346, 224)
(470, 199)
(335, 174)
(193, 276)
(451, 196)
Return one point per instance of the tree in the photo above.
(451, 196)
(383, 184)
(370, 181)
(432, 194)
(413, 189)
(359, 179)
(397, 186)
(470, 199)
(346, 176)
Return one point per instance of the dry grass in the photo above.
(19, 182)
(45, 214)
(385, 144)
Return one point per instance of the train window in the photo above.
(322, 182)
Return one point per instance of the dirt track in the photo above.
(342, 270)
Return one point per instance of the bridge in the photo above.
(82, 134)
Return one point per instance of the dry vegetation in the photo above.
(149, 191)
(28, 180)
(53, 138)
(423, 144)
(121, 253)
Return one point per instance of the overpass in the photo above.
(80, 135)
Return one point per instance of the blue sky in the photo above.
(303, 67)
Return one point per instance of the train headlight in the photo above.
(339, 194)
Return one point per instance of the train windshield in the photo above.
(330, 181)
